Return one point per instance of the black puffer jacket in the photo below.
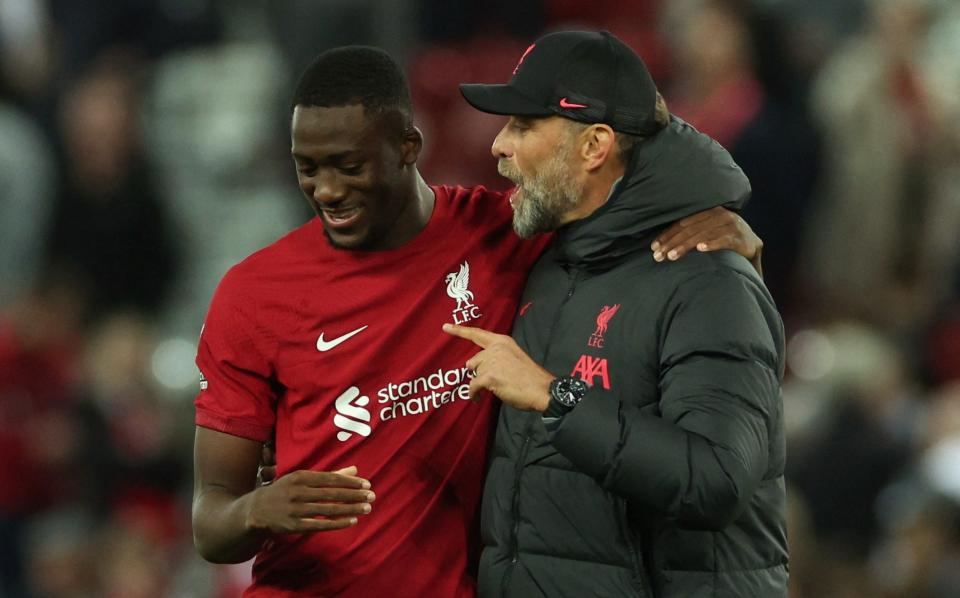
(667, 480)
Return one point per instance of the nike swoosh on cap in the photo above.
(324, 345)
(565, 104)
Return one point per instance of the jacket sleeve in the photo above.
(700, 459)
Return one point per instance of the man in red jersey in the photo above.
(329, 341)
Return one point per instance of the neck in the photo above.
(417, 213)
(596, 191)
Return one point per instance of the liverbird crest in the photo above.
(606, 314)
(603, 319)
(457, 283)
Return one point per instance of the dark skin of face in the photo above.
(358, 172)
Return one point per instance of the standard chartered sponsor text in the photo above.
(424, 393)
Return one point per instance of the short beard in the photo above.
(547, 195)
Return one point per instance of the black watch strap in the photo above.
(565, 393)
(556, 409)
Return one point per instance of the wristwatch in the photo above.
(565, 393)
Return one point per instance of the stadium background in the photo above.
(144, 149)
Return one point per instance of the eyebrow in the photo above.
(530, 121)
(334, 158)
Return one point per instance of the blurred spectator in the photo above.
(801, 543)
(444, 20)
(109, 223)
(938, 463)
(304, 28)
(84, 434)
(146, 28)
(134, 560)
(39, 366)
(26, 177)
(224, 159)
(885, 241)
(26, 49)
(860, 439)
(943, 346)
(919, 555)
(136, 455)
(814, 28)
(61, 555)
(733, 81)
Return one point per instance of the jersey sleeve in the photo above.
(236, 394)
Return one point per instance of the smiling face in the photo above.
(356, 170)
(537, 154)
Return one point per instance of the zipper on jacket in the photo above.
(639, 577)
(515, 512)
(574, 276)
(518, 468)
(573, 285)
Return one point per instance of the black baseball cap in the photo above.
(587, 76)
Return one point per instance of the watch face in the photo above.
(569, 391)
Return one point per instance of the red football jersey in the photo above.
(341, 356)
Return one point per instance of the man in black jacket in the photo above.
(640, 449)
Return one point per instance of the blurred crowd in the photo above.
(144, 149)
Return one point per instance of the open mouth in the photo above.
(341, 217)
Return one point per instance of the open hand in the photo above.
(310, 501)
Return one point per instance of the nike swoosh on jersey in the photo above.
(323, 345)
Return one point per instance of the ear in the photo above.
(597, 146)
(411, 145)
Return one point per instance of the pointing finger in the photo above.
(478, 336)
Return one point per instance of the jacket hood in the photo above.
(674, 174)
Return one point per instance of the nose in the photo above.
(327, 188)
(501, 147)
